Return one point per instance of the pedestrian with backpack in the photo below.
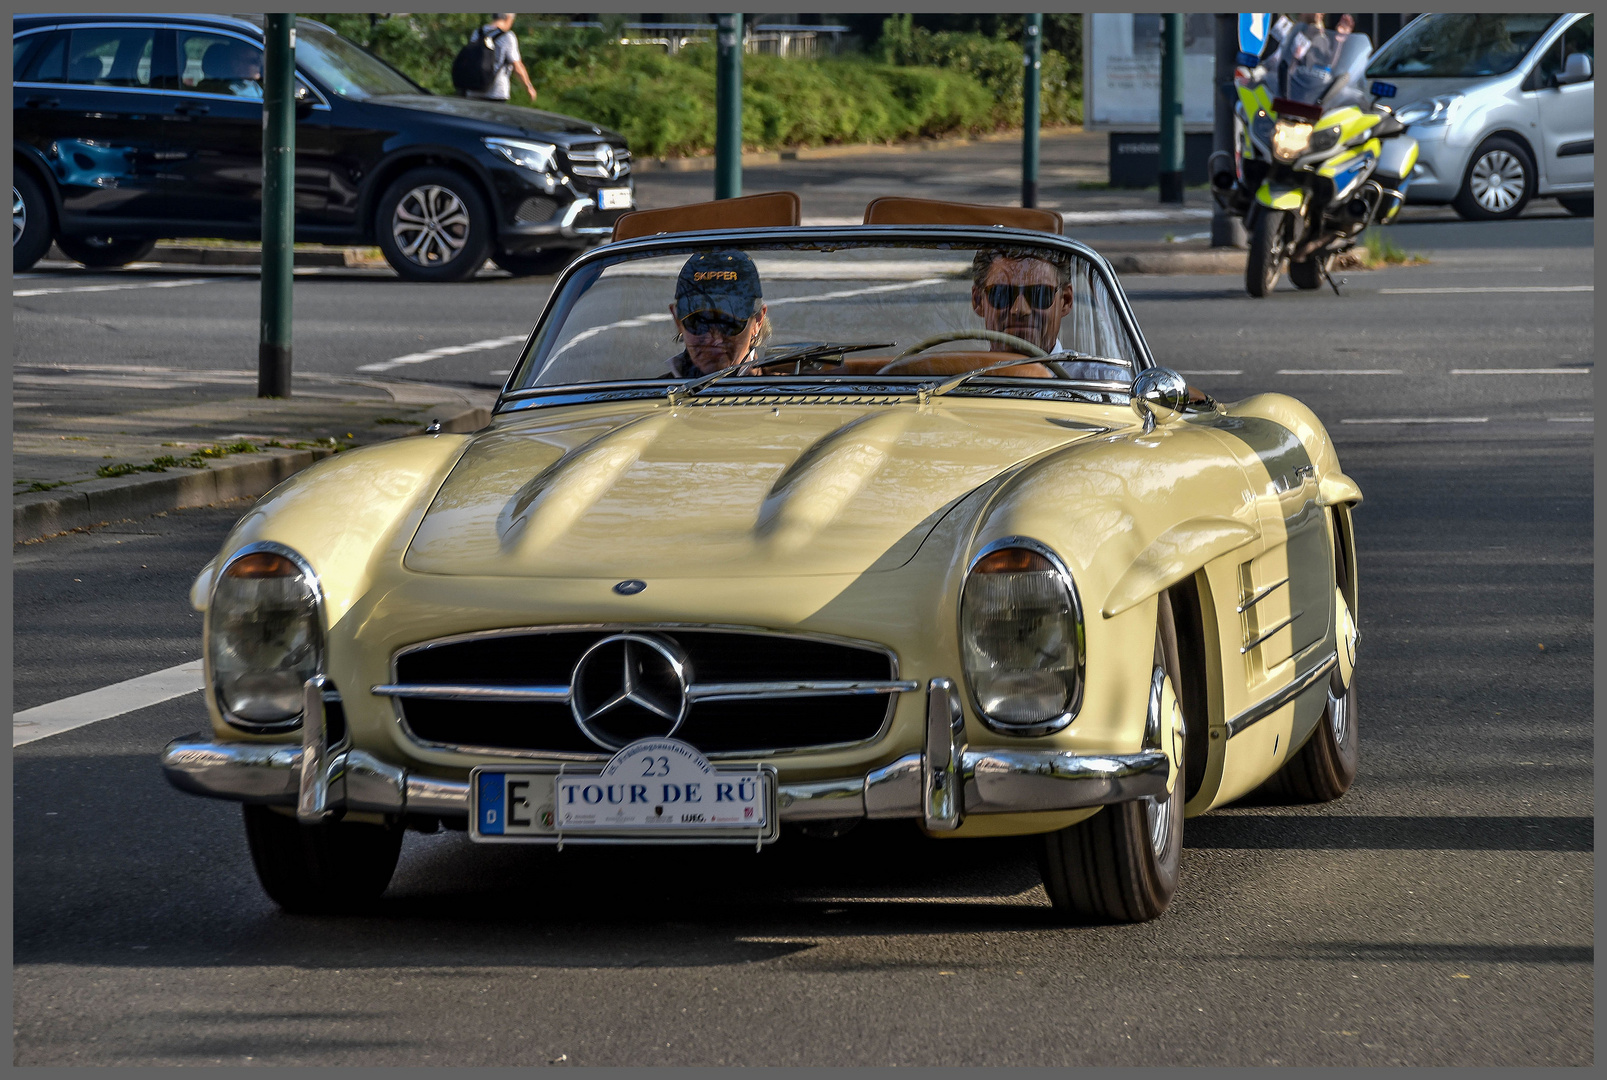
(482, 66)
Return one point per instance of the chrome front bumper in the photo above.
(939, 786)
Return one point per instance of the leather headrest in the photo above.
(748, 212)
(897, 210)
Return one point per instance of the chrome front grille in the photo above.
(745, 691)
(599, 161)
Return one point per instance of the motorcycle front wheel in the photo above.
(1268, 249)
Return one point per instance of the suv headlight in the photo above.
(1289, 140)
(538, 157)
(1021, 638)
(265, 635)
(1436, 110)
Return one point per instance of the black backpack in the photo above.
(475, 67)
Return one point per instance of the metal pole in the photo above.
(1226, 230)
(728, 109)
(278, 203)
(1171, 178)
(1032, 69)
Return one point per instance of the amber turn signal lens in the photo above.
(1011, 561)
(262, 564)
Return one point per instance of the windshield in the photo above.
(1459, 46)
(1315, 66)
(345, 68)
(832, 309)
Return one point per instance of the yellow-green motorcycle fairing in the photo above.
(433, 536)
(1281, 198)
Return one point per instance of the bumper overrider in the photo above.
(939, 786)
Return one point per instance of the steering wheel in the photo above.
(1022, 345)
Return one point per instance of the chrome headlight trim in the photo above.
(537, 157)
(261, 727)
(1055, 723)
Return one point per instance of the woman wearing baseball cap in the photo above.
(719, 312)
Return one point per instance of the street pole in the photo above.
(728, 109)
(1032, 69)
(1226, 230)
(278, 203)
(1171, 178)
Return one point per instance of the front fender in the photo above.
(1281, 197)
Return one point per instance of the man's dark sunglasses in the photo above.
(1039, 297)
(701, 323)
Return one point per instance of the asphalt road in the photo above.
(1441, 913)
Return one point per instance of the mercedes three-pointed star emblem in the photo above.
(606, 162)
(627, 687)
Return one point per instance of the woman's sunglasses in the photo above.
(1039, 297)
(703, 323)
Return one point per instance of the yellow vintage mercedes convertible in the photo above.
(782, 528)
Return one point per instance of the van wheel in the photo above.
(336, 866)
(32, 221)
(529, 263)
(1498, 182)
(1122, 864)
(432, 225)
(104, 251)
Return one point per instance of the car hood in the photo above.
(1409, 91)
(744, 490)
(501, 114)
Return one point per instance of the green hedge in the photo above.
(923, 85)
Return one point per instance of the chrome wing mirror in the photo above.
(1159, 395)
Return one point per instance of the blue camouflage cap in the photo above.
(724, 280)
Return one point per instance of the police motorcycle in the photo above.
(1315, 159)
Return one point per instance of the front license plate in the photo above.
(652, 790)
(614, 199)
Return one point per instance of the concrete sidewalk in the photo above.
(93, 444)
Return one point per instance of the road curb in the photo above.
(37, 514)
(245, 255)
(1210, 261)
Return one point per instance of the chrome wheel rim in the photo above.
(1497, 181)
(19, 216)
(1339, 717)
(1159, 812)
(430, 225)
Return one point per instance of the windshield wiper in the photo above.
(926, 394)
(804, 350)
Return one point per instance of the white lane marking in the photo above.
(445, 350)
(1223, 371)
(77, 711)
(1339, 371)
(1191, 236)
(1572, 419)
(1494, 289)
(1523, 371)
(1421, 420)
(177, 284)
(1122, 217)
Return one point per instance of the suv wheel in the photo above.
(31, 223)
(432, 225)
(100, 251)
(1498, 182)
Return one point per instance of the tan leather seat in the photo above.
(770, 209)
(897, 210)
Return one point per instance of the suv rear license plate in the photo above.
(614, 198)
(652, 791)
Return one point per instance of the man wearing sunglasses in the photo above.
(719, 312)
(1018, 291)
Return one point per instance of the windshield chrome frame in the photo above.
(851, 235)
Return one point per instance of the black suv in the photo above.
(131, 128)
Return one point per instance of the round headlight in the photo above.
(265, 635)
(1021, 639)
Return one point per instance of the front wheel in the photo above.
(334, 866)
(1122, 864)
(433, 225)
(1499, 181)
(1267, 252)
(104, 251)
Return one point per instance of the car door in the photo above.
(1568, 111)
(90, 100)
